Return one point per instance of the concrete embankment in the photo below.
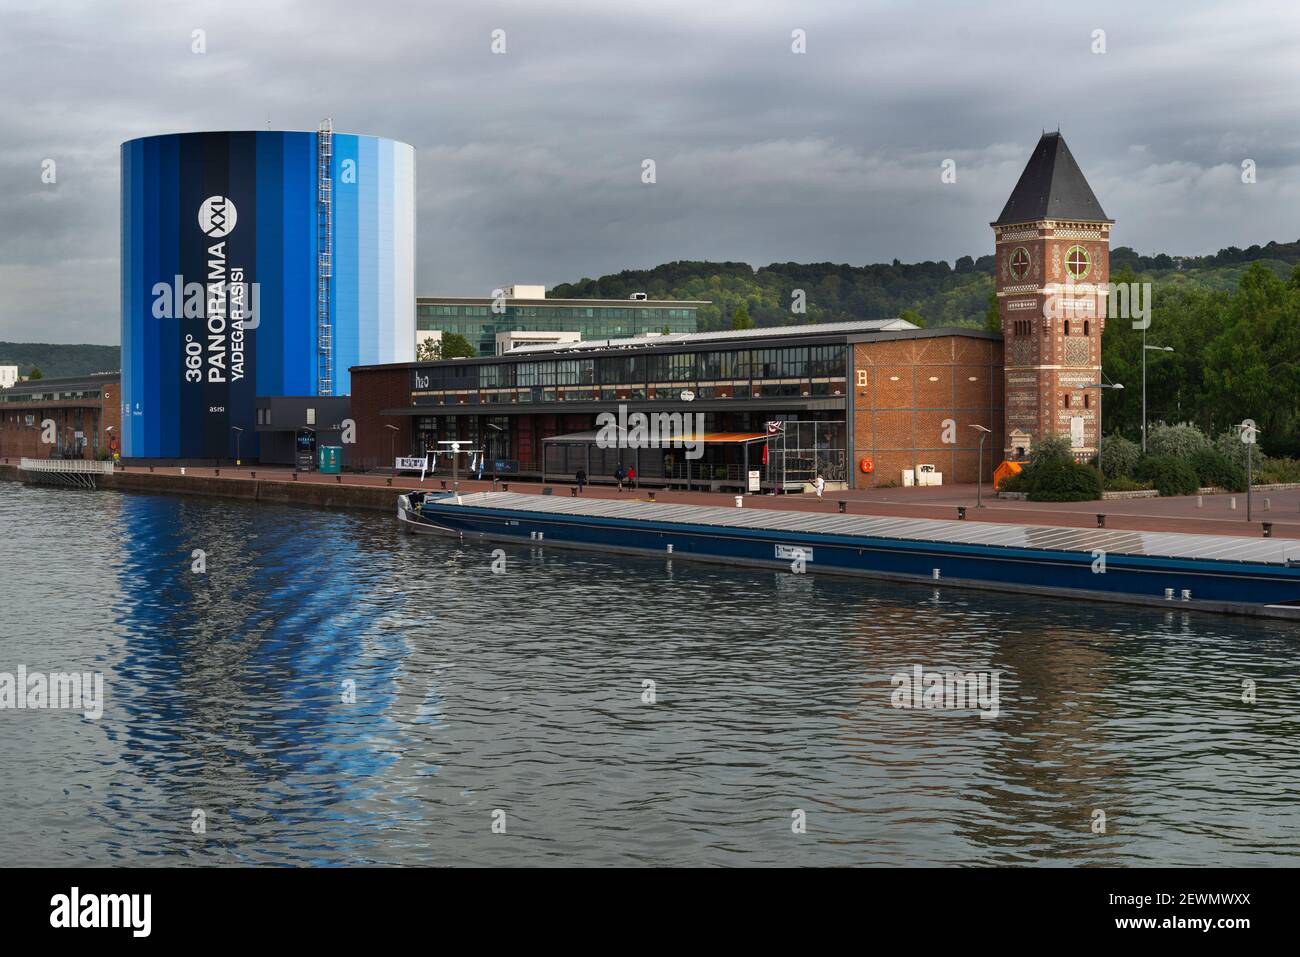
(319, 494)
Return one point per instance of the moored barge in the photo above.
(1227, 574)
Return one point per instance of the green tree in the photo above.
(36, 373)
(992, 321)
(456, 346)
(452, 345)
(740, 318)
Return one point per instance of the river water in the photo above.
(328, 691)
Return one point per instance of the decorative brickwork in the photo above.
(1052, 330)
(915, 401)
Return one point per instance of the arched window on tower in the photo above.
(1087, 401)
(1065, 401)
(1085, 327)
(1065, 327)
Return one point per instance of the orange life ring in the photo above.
(866, 465)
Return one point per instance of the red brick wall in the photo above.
(912, 395)
(372, 391)
(1043, 365)
(91, 416)
(111, 414)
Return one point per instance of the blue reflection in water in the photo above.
(258, 648)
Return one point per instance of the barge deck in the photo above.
(1226, 574)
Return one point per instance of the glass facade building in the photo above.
(512, 406)
(718, 373)
(859, 403)
(479, 322)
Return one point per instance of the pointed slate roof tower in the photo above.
(1052, 187)
(1053, 251)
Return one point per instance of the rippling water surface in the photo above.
(523, 692)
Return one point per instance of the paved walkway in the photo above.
(1213, 516)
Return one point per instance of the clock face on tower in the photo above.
(1019, 262)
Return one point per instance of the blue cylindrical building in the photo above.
(257, 263)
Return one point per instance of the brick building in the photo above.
(1053, 258)
(85, 412)
(916, 398)
(860, 403)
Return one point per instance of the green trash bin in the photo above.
(329, 459)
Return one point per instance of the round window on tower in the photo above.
(1019, 262)
(1077, 262)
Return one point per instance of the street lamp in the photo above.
(498, 452)
(979, 487)
(1145, 349)
(239, 435)
(1248, 434)
(392, 445)
(1100, 385)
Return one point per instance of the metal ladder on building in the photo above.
(324, 265)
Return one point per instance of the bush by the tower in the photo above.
(1169, 475)
(1058, 480)
(1215, 469)
(1176, 441)
(1119, 456)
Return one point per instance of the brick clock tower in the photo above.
(1053, 250)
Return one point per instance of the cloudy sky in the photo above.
(529, 162)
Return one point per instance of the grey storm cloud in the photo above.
(529, 162)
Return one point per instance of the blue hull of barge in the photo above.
(1240, 587)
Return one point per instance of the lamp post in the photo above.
(1100, 385)
(1145, 349)
(1248, 435)
(979, 487)
(239, 435)
(392, 445)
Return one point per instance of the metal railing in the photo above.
(77, 473)
(79, 466)
(704, 472)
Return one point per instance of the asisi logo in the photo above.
(217, 216)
